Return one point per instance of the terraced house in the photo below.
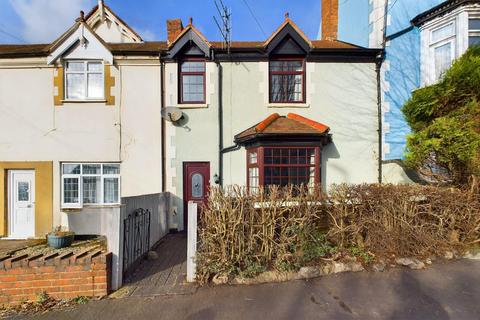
(100, 115)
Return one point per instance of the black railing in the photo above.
(136, 239)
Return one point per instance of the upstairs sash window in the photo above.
(442, 44)
(84, 80)
(474, 32)
(192, 81)
(287, 81)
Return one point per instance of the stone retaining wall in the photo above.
(61, 276)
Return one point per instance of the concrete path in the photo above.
(444, 291)
(165, 275)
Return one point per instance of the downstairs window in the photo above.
(283, 166)
(90, 184)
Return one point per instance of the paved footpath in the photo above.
(445, 291)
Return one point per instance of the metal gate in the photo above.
(136, 239)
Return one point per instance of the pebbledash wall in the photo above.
(342, 95)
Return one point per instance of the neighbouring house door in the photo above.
(196, 181)
(21, 203)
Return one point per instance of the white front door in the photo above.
(21, 200)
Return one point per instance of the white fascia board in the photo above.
(93, 50)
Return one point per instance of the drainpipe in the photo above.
(379, 63)
(162, 105)
(378, 69)
(220, 125)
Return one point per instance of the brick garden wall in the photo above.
(24, 278)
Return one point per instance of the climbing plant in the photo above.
(444, 145)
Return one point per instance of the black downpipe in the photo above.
(220, 125)
(379, 111)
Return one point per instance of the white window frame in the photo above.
(85, 73)
(79, 176)
(451, 39)
(474, 32)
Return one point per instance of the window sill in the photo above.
(92, 206)
(192, 105)
(85, 101)
(288, 105)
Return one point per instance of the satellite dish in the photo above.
(172, 114)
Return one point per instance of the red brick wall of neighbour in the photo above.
(24, 278)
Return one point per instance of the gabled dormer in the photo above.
(188, 41)
(288, 39)
(287, 49)
(191, 50)
(110, 27)
(82, 60)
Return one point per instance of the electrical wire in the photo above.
(254, 17)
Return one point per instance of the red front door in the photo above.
(196, 180)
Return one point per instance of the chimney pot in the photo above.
(329, 19)
(174, 28)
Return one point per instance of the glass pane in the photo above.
(111, 168)
(286, 88)
(71, 168)
(473, 40)
(197, 185)
(474, 24)
(193, 66)
(443, 33)
(91, 169)
(95, 85)
(443, 59)
(110, 190)
(75, 86)
(75, 66)
(91, 189)
(70, 190)
(286, 66)
(23, 191)
(192, 88)
(253, 157)
(94, 66)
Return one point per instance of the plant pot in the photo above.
(60, 241)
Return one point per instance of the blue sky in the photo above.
(41, 21)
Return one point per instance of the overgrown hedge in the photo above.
(284, 229)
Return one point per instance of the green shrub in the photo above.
(444, 145)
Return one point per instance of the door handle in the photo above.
(29, 206)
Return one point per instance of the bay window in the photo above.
(90, 184)
(283, 166)
(192, 81)
(84, 80)
(287, 77)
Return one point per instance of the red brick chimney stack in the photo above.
(174, 28)
(329, 19)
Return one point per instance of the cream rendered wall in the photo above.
(340, 95)
(33, 129)
(141, 127)
(110, 32)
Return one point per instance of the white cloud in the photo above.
(45, 20)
